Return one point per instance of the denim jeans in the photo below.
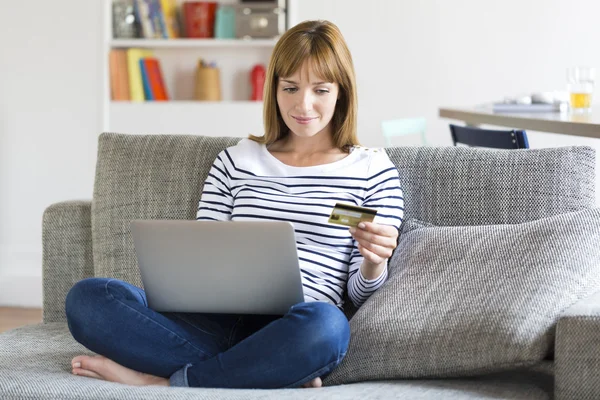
(111, 317)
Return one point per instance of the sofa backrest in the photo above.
(474, 186)
(144, 177)
(162, 176)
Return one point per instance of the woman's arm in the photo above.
(216, 203)
(375, 241)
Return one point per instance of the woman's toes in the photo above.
(88, 373)
(87, 362)
(315, 383)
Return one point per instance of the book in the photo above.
(169, 15)
(145, 81)
(119, 75)
(156, 19)
(155, 79)
(142, 11)
(136, 84)
(534, 107)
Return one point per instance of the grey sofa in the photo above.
(161, 176)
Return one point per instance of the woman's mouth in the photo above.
(304, 120)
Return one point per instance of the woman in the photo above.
(307, 161)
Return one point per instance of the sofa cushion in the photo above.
(35, 363)
(463, 301)
(453, 186)
(144, 177)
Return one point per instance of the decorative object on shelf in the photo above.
(260, 20)
(225, 22)
(199, 18)
(257, 79)
(125, 23)
(208, 83)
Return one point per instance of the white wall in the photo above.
(411, 57)
(50, 117)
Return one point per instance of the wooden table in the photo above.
(587, 125)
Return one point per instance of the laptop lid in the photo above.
(241, 267)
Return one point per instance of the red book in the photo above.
(155, 77)
(199, 18)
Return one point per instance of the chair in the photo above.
(403, 127)
(513, 139)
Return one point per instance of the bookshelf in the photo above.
(235, 115)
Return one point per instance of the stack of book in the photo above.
(165, 19)
(136, 75)
(151, 19)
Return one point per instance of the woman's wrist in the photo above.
(371, 271)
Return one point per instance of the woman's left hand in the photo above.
(375, 242)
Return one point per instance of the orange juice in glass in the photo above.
(580, 85)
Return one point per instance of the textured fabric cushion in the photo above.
(466, 300)
(471, 186)
(577, 352)
(144, 177)
(35, 363)
(67, 256)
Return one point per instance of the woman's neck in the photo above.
(305, 147)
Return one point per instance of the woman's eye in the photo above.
(290, 89)
(322, 91)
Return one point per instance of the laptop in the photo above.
(237, 267)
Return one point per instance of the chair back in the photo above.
(497, 139)
(401, 127)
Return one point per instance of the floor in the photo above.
(12, 317)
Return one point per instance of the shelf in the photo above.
(188, 103)
(191, 43)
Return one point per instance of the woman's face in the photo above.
(306, 102)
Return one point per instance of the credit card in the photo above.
(349, 215)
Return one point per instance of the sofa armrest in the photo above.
(67, 253)
(577, 351)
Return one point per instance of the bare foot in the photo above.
(100, 367)
(315, 383)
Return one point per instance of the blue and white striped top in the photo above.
(246, 183)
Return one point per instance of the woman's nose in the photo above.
(305, 102)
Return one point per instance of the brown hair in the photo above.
(322, 43)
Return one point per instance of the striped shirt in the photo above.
(246, 182)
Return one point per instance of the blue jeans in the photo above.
(111, 317)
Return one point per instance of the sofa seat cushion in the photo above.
(35, 363)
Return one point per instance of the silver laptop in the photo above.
(240, 267)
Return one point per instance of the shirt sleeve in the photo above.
(383, 193)
(216, 202)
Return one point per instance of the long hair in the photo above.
(322, 44)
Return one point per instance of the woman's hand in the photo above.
(376, 243)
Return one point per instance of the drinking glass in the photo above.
(580, 85)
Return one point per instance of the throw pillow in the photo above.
(467, 300)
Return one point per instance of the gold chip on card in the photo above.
(349, 215)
